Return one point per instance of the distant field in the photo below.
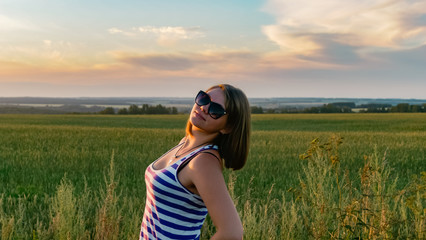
(37, 151)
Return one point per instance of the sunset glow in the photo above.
(272, 48)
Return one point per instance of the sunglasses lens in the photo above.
(216, 111)
(202, 99)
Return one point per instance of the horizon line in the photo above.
(85, 97)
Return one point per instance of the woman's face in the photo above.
(200, 118)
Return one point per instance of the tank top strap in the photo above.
(196, 151)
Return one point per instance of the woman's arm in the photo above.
(205, 172)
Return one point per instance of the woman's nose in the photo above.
(205, 108)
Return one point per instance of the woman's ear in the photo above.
(226, 130)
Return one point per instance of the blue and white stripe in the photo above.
(171, 210)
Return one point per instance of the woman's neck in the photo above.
(198, 137)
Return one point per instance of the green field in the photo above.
(37, 151)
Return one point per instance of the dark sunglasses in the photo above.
(215, 109)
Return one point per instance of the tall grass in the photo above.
(325, 205)
(92, 215)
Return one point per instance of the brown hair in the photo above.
(234, 146)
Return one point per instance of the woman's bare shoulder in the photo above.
(205, 161)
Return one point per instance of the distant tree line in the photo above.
(47, 109)
(405, 107)
(144, 109)
(345, 107)
(384, 108)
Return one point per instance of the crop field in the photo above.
(308, 176)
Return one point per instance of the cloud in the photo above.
(414, 58)
(122, 32)
(8, 24)
(266, 75)
(159, 62)
(131, 67)
(165, 36)
(314, 29)
(42, 53)
(333, 51)
(179, 32)
(205, 64)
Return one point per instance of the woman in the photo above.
(187, 181)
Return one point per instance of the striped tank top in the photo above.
(171, 210)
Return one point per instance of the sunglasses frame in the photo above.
(214, 116)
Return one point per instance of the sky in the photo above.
(171, 48)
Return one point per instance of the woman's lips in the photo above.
(199, 115)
